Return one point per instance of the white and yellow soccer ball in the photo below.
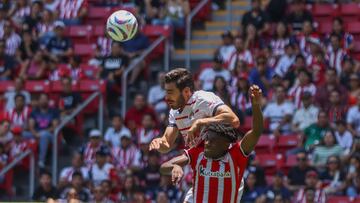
(121, 25)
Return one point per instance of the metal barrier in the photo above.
(133, 65)
(32, 168)
(66, 120)
(188, 30)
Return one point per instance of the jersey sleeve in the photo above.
(237, 152)
(172, 122)
(193, 155)
(207, 103)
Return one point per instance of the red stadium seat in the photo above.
(350, 9)
(79, 33)
(244, 127)
(357, 47)
(154, 32)
(270, 162)
(98, 30)
(265, 144)
(87, 87)
(57, 87)
(286, 143)
(204, 13)
(290, 162)
(6, 86)
(353, 28)
(325, 28)
(89, 72)
(38, 86)
(96, 12)
(325, 10)
(339, 199)
(85, 50)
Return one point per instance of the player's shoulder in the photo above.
(203, 95)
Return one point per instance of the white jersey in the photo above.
(201, 104)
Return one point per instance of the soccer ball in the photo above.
(121, 25)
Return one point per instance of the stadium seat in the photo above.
(270, 162)
(89, 72)
(87, 87)
(325, 10)
(6, 86)
(291, 161)
(37, 86)
(357, 47)
(265, 144)
(285, 143)
(350, 9)
(57, 87)
(325, 28)
(204, 13)
(79, 33)
(97, 15)
(339, 199)
(153, 32)
(353, 28)
(84, 50)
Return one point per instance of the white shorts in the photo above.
(189, 197)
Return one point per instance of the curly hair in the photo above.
(181, 77)
(224, 129)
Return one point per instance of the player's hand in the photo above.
(255, 95)
(176, 174)
(158, 143)
(191, 133)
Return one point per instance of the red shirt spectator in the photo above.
(135, 114)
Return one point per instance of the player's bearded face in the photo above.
(174, 96)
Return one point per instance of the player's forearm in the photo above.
(166, 168)
(257, 120)
(221, 118)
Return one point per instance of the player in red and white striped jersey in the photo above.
(190, 111)
(219, 164)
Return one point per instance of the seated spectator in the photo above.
(127, 156)
(257, 17)
(59, 46)
(227, 48)
(148, 130)
(45, 190)
(307, 38)
(42, 123)
(5, 134)
(251, 190)
(306, 115)
(298, 16)
(239, 97)
(333, 178)
(337, 110)
(278, 187)
(220, 89)
(110, 190)
(315, 132)
(20, 114)
(240, 69)
(28, 47)
(302, 85)
(69, 99)
(133, 49)
(353, 189)
(101, 169)
(11, 38)
(353, 118)
(173, 14)
(77, 183)
(208, 75)
(34, 68)
(156, 96)
(89, 150)
(72, 70)
(346, 39)
(51, 5)
(280, 39)
(240, 54)
(354, 87)
(336, 55)
(261, 74)
(325, 149)
(296, 175)
(7, 62)
(279, 113)
(45, 27)
(18, 145)
(343, 136)
(77, 165)
(19, 89)
(286, 61)
(331, 83)
(312, 184)
(150, 176)
(72, 12)
(317, 64)
(19, 11)
(98, 195)
(4, 8)
(135, 114)
(166, 186)
(129, 187)
(31, 19)
(252, 40)
(113, 134)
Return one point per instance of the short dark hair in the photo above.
(19, 95)
(45, 172)
(225, 130)
(77, 174)
(338, 37)
(181, 77)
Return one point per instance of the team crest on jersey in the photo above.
(216, 174)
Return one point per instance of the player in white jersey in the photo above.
(190, 111)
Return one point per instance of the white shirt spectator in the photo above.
(276, 112)
(10, 98)
(12, 43)
(304, 117)
(66, 173)
(243, 56)
(284, 64)
(114, 137)
(97, 174)
(345, 140)
(156, 98)
(208, 76)
(353, 118)
(226, 51)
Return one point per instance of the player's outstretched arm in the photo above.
(165, 143)
(251, 137)
(174, 168)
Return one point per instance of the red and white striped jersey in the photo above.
(43, 28)
(146, 137)
(69, 9)
(21, 12)
(201, 104)
(336, 58)
(297, 91)
(12, 43)
(89, 153)
(319, 196)
(105, 45)
(17, 148)
(217, 180)
(278, 46)
(240, 101)
(126, 158)
(243, 56)
(67, 173)
(18, 119)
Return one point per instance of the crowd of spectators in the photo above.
(311, 86)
